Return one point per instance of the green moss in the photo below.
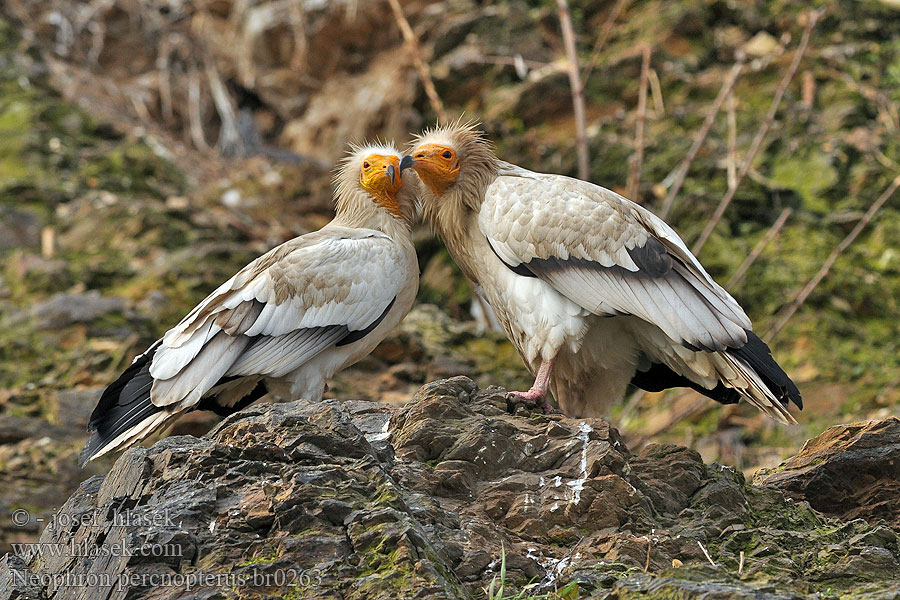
(263, 556)
(495, 355)
(808, 175)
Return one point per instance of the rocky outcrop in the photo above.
(361, 500)
(849, 471)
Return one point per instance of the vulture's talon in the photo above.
(531, 400)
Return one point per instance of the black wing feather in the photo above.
(124, 404)
(660, 377)
(758, 356)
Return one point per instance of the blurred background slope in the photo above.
(150, 148)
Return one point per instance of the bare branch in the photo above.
(634, 175)
(230, 143)
(760, 134)
(811, 285)
(412, 42)
(808, 89)
(632, 403)
(705, 553)
(699, 139)
(48, 242)
(297, 20)
(195, 118)
(656, 93)
(581, 143)
(164, 68)
(511, 61)
(649, 548)
(770, 235)
(605, 32)
(98, 38)
(731, 157)
(887, 109)
(698, 404)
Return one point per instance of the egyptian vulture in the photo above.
(287, 321)
(594, 291)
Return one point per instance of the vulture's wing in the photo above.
(612, 257)
(609, 256)
(325, 288)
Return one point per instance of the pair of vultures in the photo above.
(594, 291)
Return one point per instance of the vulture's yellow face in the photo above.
(435, 164)
(380, 176)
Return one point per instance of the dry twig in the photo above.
(741, 563)
(48, 242)
(195, 118)
(412, 43)
(297, 20)
(760, 134)
(605, 32)
(229, 143)
(731, 157)
(698, 405)
(164, 68)
(656, 93)
(98, 39)
(698, 140)
(511, 61)
(808, 89)
(705, 553)
(888, 112)
(632, 403)
(634, 175)
(811, 285)
(773, 231)
(581, 143)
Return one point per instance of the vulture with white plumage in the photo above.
(286, 322)
(594, 291)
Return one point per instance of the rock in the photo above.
(849, 471)
(14, 429)
(362, 500)
(761, 44)
(38, 272)
(18, 228)
(74, 407)
(14, 580)
(63, 310)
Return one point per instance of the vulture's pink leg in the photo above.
(537, 395)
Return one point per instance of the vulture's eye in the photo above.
(365, 165)
(447, 154)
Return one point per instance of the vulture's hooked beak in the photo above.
(406, 162)
(392, 173)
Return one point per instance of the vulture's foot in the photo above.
(532, 399)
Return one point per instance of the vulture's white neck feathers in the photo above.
(356, 207)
